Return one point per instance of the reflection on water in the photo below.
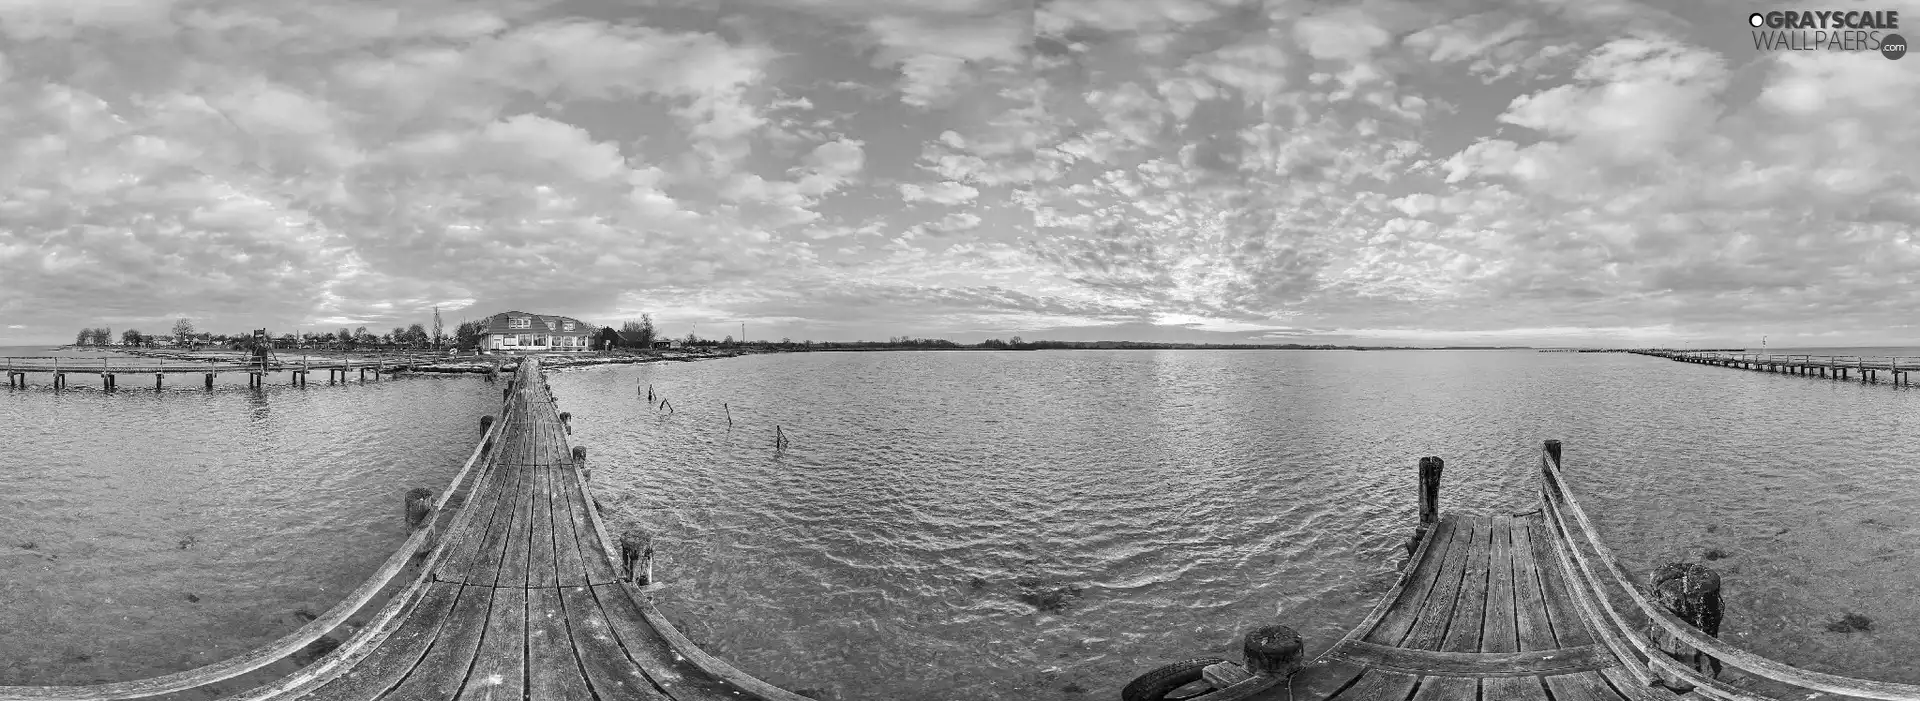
(934, 509)
(145, 532)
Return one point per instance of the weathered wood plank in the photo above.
(398, 655)
(1624, 684)
(1377, 685)
(1499, 630)
(1448, 689)
(1512, 689)
(1430, 626)
(466, 545)
(443, 671)
(1421, 575)
(514, 567)
(569, 570)
(499, 671)
(541, 556)
(1444, 663)
(553, 670)
(1469, 608)
(490, 557)
(1533, 623)
(609, 672)
(650, 651)
(1568, 628)
(596, 565)
(1585, 686)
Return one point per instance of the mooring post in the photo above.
(1691, 592)
(566, 421)
(1430, 469)
(209, 381)
(506, 393)
(636, 546)
(1273, 651)
(729, 410)
(419, 506)
(580, 458)
(158, 378)
(486, 422)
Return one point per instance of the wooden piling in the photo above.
(580, 458)
(636, 547)
(486, 422)
(159, 379)
(210, 381)
(729, 410)
(1692, 593)
(419, 506)
(566, 422)
(1273, 651)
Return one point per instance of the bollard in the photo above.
(579, 453)
(486, 423)
(506, 394)
(636, 545)
(419, 506)
(209, 380)
(157, 378)
(1273, 651)
(580, 456)
(1692, 593)
(566, 422)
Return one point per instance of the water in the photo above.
(1194, 495)
(1188, 495)
(115, 508)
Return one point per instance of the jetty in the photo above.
(1526, 606)
(513, 590)
(1894, 370)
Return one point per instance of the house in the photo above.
(543, 333)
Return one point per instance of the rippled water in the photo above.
(886, 554)
(1193, 495)
(143, 533)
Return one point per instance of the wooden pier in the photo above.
(1527, 607)
(516, 595)
(1894, 370)
(110, 370)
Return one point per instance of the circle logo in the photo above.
(1893, 46)
(1756, 19)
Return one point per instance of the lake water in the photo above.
(893, 551)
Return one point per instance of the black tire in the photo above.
(1155, 685)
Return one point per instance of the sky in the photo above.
(1546, 172)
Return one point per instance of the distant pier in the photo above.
(1893, 370)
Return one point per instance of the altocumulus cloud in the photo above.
(1206, 169)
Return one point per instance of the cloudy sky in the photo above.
(1546, 171)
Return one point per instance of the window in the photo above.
(566, 326)
(520, 322)
(526, 339)
(507, 340)
(540, 340)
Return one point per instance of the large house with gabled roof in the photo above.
(542, 333)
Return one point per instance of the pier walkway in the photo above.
(18, 369)
(1522, 607)
(1895, 370)
(520, 599)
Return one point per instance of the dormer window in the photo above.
(520, 322)
(566, 325)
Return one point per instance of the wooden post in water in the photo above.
(729, 410)
(210, 381)
(1430, 469)
(580, 458)
(486, 423)
(1692, 593)
(566, 421)
(158, 379)
(419, 506)
(636, 546)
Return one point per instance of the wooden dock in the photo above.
(1894, 370)
(1528, 607)
(110, 370)
(521, 599)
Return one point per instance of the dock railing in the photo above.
(1665, 646)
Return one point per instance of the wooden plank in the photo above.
(569, 569)
(499, 670)
(513, 567)
(1380, 686)
(1568, 628)
(484, 568)
(1531, 619)
(1399, 618)
(464, 554)
(609, 672)
(1469, 609)
(1430, 626)
(597, 566)
(398, 655)
(650, 651)
(541, 558)
(553, 670)
(1630, 688)
(1448, 689)
(1499, 631)
(1513, 689)
(1460, 664)
(1585, 686)
(443, 671)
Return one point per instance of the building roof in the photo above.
(541, 323)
